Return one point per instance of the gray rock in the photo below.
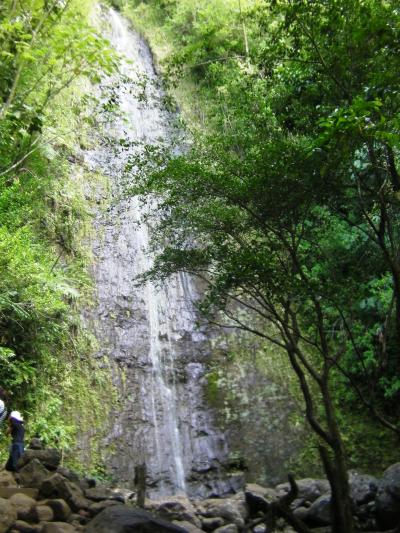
(7, 479)
(60, 508)
(36, 444)
(83, 483)
(8, 515)
(233, 511)
(265, 492)
(59, 487)
(209, 524)
(97, 507)
(363, 488)
(58, 527)
(319, 514)
(50, 458)
(75, 518)
(33, 474)
(187, 526)
(24, 527)
(387, 509)
(387, 501)
(391, 480)
(175, 508)
(68, 474)
(44, 513)
(7, 492)
(25, 506)
(301, 513)
(309, 489)
(258, 499)
(228, 528)
(122, 518)
(98, 494)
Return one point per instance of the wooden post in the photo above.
(140, 483)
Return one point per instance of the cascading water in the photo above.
(147, 333)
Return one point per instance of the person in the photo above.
(3, 407)
(17, 431)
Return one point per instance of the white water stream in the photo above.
(148, 333)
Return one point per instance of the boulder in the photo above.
(363, 488)
(174, 508)
(391, 480)
(387, 501)
(7, 492)
(90, 482)
(53, 486)
(7, 479)
(387, 509)
(98, 494)
(50, 458)
(122, 518)
(44, 513)
(58, 486)
(36, 444)
(301, 513)
(8, 515)
(32, 474)
(58, 527)
(83, 483)
(68, 474)
(309, 489)
(24, 505)
(97, 507)
(24, 527)
(268, 494)
(233, 511)
(72, 476)
(319, 514)
(228, 528)
(257, 502)
(187, 526)
(75, 518)
(209, 524)
(60, 508)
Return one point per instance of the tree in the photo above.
(45, 46)
(278, 207)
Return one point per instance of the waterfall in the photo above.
(148, 333)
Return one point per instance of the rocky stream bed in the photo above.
(48, 498)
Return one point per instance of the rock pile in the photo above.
(376, 505)
(48, 498)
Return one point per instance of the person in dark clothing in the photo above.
(17, 431)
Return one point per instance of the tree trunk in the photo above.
(342, 518)
(335, 465)
(396, 291)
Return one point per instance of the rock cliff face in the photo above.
(252, 399)
(147, 333)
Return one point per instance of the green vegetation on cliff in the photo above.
(47, 51)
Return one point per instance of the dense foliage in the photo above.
(45, 48)
(303, 143)
(288, 205)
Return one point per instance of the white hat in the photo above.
(16, 415)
